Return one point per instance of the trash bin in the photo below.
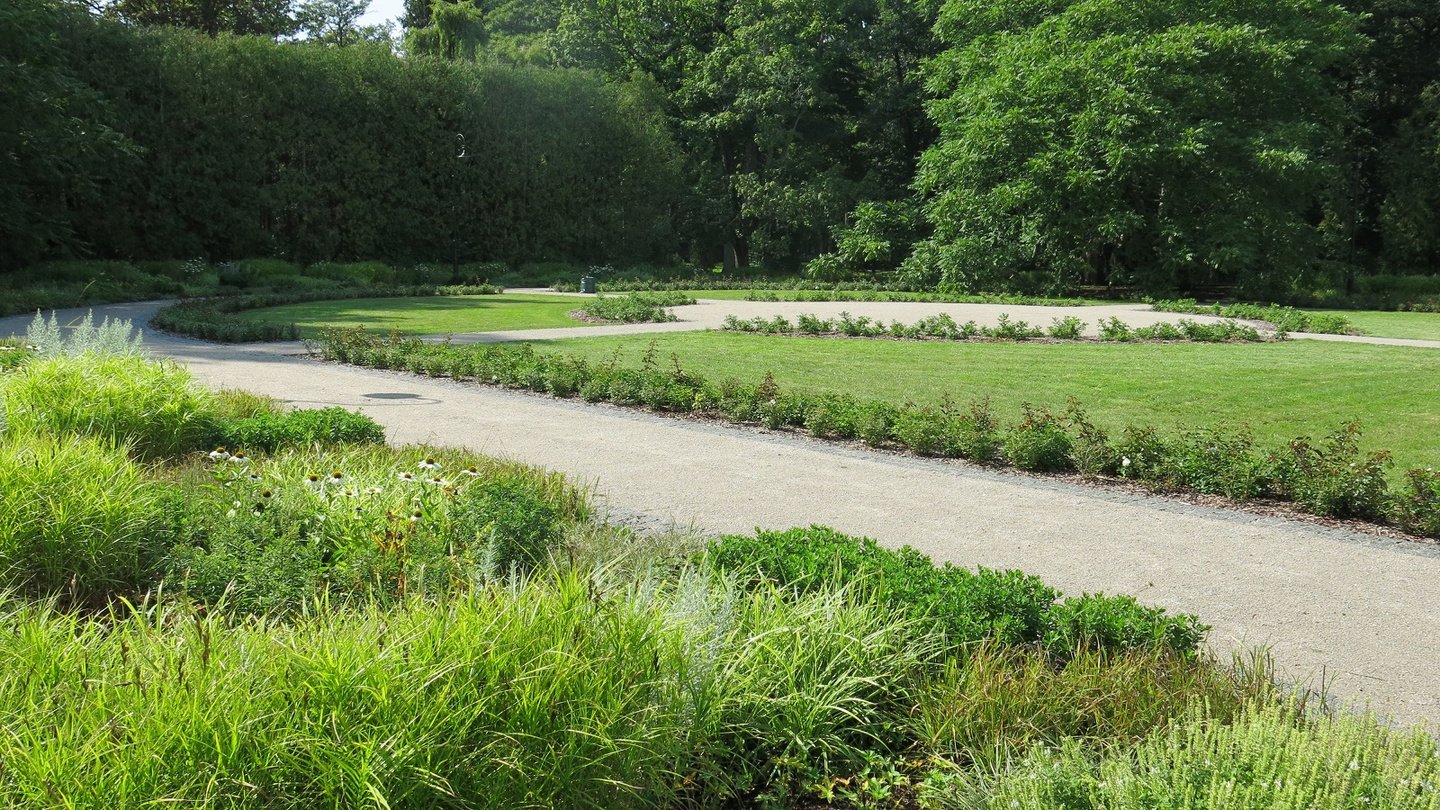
(587, 284)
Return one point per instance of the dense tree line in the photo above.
(165, 143)
(1163, 144)
(1026, 144)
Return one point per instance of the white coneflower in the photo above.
(336, 477)
(373, 490)
(239, 458)
(429, 464)
(253, 477)
(408, 477)
(313, 481)
(472, 471)
(219, 454)
(439, 482)
(416, 516)
(1125, 462)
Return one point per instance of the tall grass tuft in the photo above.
(153, 406)
(76, 516)
(552, 693)
(1269, 757)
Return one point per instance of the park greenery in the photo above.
(1330, 475)
(944, 327)
(309, 616)
(1282, 151)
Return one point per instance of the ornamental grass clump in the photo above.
(1270, 756)
(553, 691)
(77, 517)
(152, 406)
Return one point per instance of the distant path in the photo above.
(1360, 608)
(710, 313)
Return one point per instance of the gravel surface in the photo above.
(1353, 609)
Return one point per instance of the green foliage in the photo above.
(1333, 478)
(154, 407)
(636, 307)
(988, 706)
(1167, 144)
(1099, 622)
(1285, 319)
(555, 692)
(55, 140)
(1007, 606)
(1417, 509)
(515, 529)
(501, 164)
(1327, 478)
(1039, 442)
(790, 115)
(78, 518)
(944, 327)
(360, 523)
(1269, 757)
(266, 432)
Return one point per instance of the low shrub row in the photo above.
(61, 284)
(1285, 319)
(1008, 607)
(210, 318)
(944, 327)
(1330, 477)
(639, 307)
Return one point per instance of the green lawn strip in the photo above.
(437, 315)
(1281, 390)
(1412, 325)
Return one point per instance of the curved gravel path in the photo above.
(1357, 610)
(710, 313)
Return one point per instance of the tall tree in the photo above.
(1170, 143)
(271, 18)
(791, 111)
(337, 22)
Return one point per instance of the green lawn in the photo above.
(1418, 325)
(1281, 390)
(439, 315)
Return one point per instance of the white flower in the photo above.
(253, 477)
(408, 477)
(416, 516)
(429, 464)
(471, 472)
(240, 458)
(1125, 461)
(313, 481)
(336, 477)
(219, 454)
(373, 490)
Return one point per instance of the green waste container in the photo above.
(587, 284)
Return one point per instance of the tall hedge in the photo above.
(249, 147)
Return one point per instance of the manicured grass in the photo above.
(439, 315)
(1415, 325)
(1281, 390)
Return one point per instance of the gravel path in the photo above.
(1358, 610)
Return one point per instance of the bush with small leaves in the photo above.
(1067, 328)
(1416, 509)
(1039, 442)
(1096, 621)
(1333, 478)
